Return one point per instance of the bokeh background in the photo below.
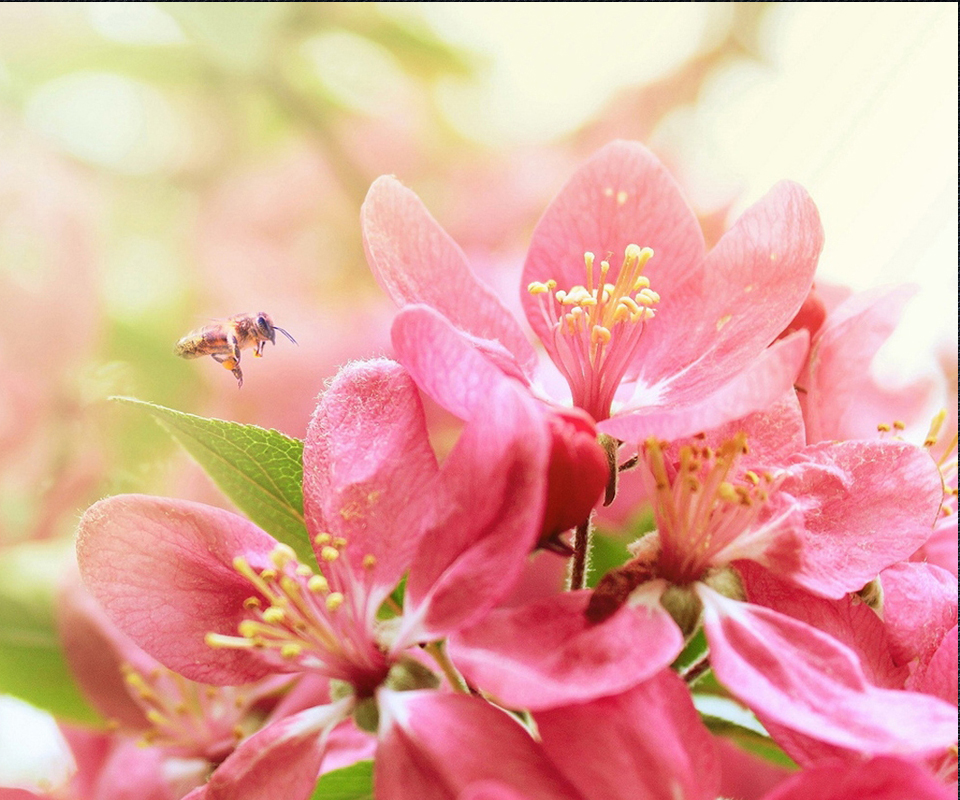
(164, 164)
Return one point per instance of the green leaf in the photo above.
(350, 783)
(32, 664)
(260, 470)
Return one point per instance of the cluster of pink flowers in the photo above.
(806, 560)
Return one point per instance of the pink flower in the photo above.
(839, 397)
(643, 344)
(218, 600)
(826, 517)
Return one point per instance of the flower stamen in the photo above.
(597, 326)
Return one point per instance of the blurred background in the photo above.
(164, 164)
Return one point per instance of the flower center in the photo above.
(298, 621)
(700, 506)
(192, 718)
(596, 327)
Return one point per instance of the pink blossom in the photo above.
(827, 518)
(840, 397)
(637, 334)
(217, 599)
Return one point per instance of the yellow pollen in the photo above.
(268, 574)
(369, 561)
(291, 650)
(723, 321)
(251, 603)
(304, 571)
(340, 542)
(728, 492)
(621, 197)
(883, 427)
(321, 539)
(318, 584)
(328, 553)
(237, 732)
(898, 425)
(281, 555)
(334, 601)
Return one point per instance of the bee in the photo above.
(224, 340)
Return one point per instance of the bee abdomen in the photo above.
(190, 347)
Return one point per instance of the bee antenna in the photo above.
(285, 334)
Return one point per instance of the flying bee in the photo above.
(224, 340)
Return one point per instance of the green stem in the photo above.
(454, 678)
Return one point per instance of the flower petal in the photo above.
(841, 399)
(882, 778)
(434, 746)
(163, 571)
(367, 463)
(919, 607)
(622, 195)
(547, 653)
(760, 385)
(416, 261)
(752, 284)
(648, 742)
(806, 681)
(281, 760)
(444, 363)
(490, 510)
(867, 505)
(938, 674)
(848, 620)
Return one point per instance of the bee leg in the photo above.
(258, 352)
(231, 363)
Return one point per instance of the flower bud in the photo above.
(577, 476)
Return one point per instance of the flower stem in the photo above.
(454, 678)
(581, 554)
(696, 670)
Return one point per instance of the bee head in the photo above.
(265, 328)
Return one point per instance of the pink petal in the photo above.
(547, 653)
(132, 772)
(434, 746)
(867, 505)
(848, 620)
(622, 195)
(281, 760)
(443, 362)
(367, 466)
(938, 674)
(941, 548)
(162, 569)
(759, 386)
(808, 682)
(842, 400)
(490, 510)
(416, 261)
(95, 648)
(773, 435)
(919, 607)
(648, 742)
(752, 284)
(745, 775)
(881, 778)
